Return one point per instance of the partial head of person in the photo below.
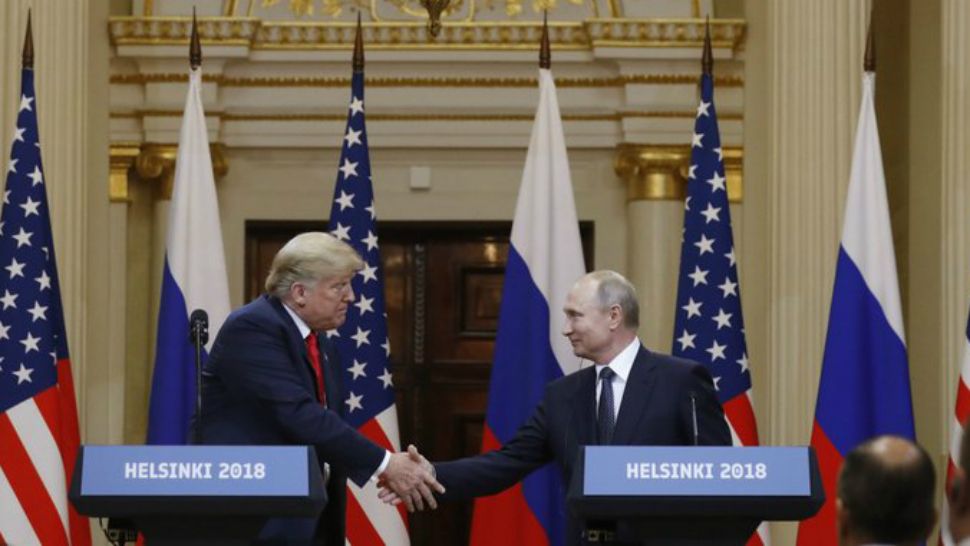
(958, 492)
(311, 274)
(885, 493)
(602, 315)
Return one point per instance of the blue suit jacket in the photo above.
(258, 388)
(656, 410)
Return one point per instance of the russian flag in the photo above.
(864, 388)
(545, 259)
(194, 276)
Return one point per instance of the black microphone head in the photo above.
(199, 315)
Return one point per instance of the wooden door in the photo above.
(443, 285)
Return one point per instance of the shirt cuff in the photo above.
(380, 469)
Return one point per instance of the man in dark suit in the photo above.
(271, 380)
(650, 399)
(885, 494)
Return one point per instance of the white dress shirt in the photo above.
(621, 366)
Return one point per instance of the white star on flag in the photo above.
(23, 374)
(354, 402)
(356, 106)
(705, 245)
(38, 312)
(341, 232)
(36, 177)
(716, 351)
(693, 308)
(699, 276)
(16, 269)
(686, 340)
(386, 378)
(361, 336)
(729, 288)
(702, 109)
(357, 369)
(348, 169)
(369, 273)
(364, 304)
(722, 319)
(717, 182)
(30, 343)
(696, 140)
(25, 103)
(30, 207)
(22, 238)
(370, 241)
(352, 137)
(711, 214)
(346, 200)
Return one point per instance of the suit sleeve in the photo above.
(252, 360)
(701, 400)
(497, 470)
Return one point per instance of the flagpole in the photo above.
(27, 59)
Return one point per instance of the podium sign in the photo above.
(696, 471)
(218, 471)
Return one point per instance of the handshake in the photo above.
(409, 478)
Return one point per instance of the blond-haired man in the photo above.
(270, 379)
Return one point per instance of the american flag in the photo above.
(960, 415)
(362, 341)
(708, 327)
(38, 415)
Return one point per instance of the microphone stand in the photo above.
(199, 336)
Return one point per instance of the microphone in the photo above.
(199, 327)
(693, 412)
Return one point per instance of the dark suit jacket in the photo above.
(655, 410)
(258, 388)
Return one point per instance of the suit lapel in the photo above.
(584, 411)
(297, 344)
(636, 395)
(331, 375)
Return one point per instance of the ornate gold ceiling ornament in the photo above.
(434, 8)
(156, 162)
(176, 30)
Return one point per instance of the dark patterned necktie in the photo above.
(605, 419)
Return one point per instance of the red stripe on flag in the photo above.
(58, 409)
(29, 488)
(375, 433)
(963, 402)
(739, 412)
(360, 532)
(504, 518)
(755, 540)
(820, 529)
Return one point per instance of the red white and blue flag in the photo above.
(194, 276)
(545, 259)
(708, 325)
(362, 341)
(864, 389)
(959, 418)
(38, 412)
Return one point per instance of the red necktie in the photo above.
(314, 351)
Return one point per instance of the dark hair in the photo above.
(889, 499)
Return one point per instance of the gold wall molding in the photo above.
(156, 162)
(133, 30)
(309, 116)
(122, 157)
(332, 82)
(658, 172)
(259, 34)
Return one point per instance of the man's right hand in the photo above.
(411, 478)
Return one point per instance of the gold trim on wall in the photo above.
(309, 116)
(657, 172)
(332, 82)
(476, 35)
(156, 162)
(122, 157)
